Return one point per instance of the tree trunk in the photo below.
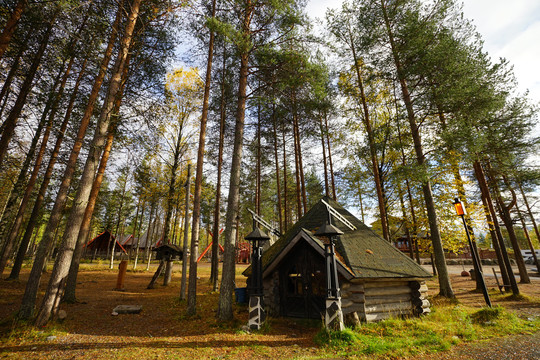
(225, 311)
(54, 100)
(297, 169)
(137, 233)
(4, 93)
(526, 233)
(11, 25)
(192, 290)
(326, 188)
(444, 279)
(214, 271)
(14, 201)
(332, 179)
(71, 283)
(285, 192)
(170, 200)
(26, 87)
(504, 211)
(64, 256)
(480, 176)
(300, 162)
(276, 160)
(29, 297)
(185, 257)
(372, 150)
(529, 211)
(32, 221)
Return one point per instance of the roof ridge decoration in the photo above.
(341, 218)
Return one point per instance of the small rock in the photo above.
(245, 328)
(34, 348)
(62, 315)
(50, 338)
(114, 313)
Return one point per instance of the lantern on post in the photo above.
(257, 314)
(333, 317)
(460, 210)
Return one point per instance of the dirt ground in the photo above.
(162, 330)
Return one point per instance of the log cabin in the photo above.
(377, 281)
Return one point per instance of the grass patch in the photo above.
(446, 326)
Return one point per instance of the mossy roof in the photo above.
(362, 251)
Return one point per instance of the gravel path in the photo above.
(518, 347)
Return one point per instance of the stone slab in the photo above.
(128, 309)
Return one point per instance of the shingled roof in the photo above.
(361, 251)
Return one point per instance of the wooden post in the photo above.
(122, 267)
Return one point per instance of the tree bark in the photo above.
(9, 78)
(54, 100)
(529, 211)
(332, 179)
(526, 233)
(64, 256)
(214, 271)
(26, 87)
(480, 176)
(32, 221)
(29, 297)
(11, 25)
(276, 160)
(504, 211)
(225, 311)
(285, 192)
(71, 283)
(14, 201)
(444, 279)
(325, 166)
(192, 290)
(371, 141)
(185, 256)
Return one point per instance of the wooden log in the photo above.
(358, 298)
(397, 290)
(425, 304)
(358, 308)
(345, 285)
(387, 299)
(346, 303)
(385, 315)
(415, 285)
(357, 281)
(383, 284)
(380, 308)
(356, 288)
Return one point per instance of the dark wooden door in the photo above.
(302, 283)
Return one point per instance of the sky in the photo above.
(509, 28)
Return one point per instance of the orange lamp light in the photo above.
(460, 209)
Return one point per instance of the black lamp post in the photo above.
(333, 316)
(460, 210)
(257, 314)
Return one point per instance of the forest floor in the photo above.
(162, 330)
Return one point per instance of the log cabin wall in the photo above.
(374, 300)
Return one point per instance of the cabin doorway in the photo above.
(302, 282)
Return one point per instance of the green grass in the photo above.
(444, 327)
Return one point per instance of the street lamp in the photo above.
(333, 317)
(257, 314)
(460, 210)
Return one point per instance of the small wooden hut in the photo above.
(377, 280)
(100, 245)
